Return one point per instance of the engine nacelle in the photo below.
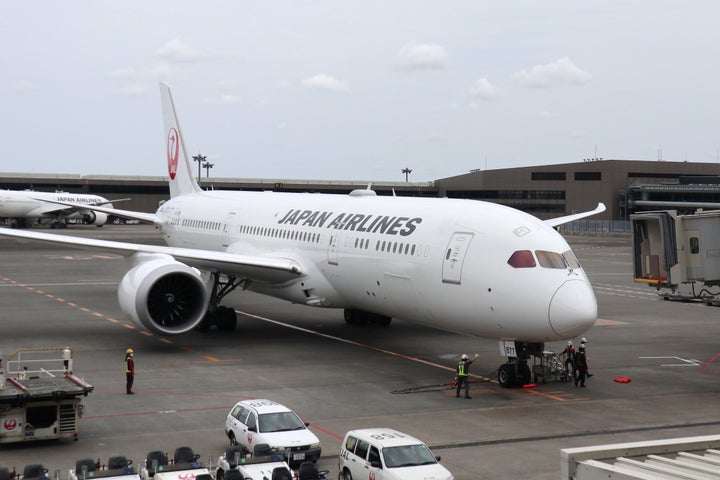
(163, 295)
(95, 218)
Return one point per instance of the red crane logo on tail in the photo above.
(173, 152)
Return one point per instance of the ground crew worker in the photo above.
(462, 375)
(580, 365)
(129, 371)
(569, 353)
(583, 342)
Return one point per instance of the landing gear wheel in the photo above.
(506, 375)
(225, 319)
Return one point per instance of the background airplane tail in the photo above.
(179, 167)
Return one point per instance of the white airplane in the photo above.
(467, 266)
(26, 207)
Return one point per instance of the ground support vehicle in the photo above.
(40, 398)
(550, 367)
(256, 422)
(117, 468)
(386, 454)
(263, 464)
(184, 466)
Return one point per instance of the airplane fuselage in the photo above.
(32, 205)
(445, 263)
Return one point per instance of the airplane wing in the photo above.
(554, 222)
(142, 216)
(263, 269)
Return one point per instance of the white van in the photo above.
(386, 454)
(253, 422)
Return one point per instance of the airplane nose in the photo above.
(573, 309)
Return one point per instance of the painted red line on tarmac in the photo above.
(705, 365)
(327, 432)
(178, 394)
(165, 340)
(128, 326)
(212, 359)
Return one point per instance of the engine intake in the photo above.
(95, 218)
(163, 295)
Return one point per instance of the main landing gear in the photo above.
(516, 371)
(223, 318)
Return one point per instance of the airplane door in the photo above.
(334, 245)
(454, 257)
(228, 228)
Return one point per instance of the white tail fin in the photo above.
(179, 168)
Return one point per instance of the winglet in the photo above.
(178, 163)
(554, 222)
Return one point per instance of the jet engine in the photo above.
(94, 218)
(163, 295)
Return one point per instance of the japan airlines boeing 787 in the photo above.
(468, 266)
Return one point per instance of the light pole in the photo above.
(199, 158)
(407, 171)
(207, 166)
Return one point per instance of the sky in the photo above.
(357, 90)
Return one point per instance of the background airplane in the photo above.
(462, 265)
(23, 208)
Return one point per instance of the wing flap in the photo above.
(263, 269)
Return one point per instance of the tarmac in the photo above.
(341, 377)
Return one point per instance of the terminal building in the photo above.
(546, 191)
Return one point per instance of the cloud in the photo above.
(560, 72)
(123, 73)
(24, 86)
(325, 82)
(178, 51)
(414, 56)
(484, 90)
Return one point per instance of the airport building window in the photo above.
(547, 176)
(588, 176)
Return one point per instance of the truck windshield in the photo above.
(279, 422)
(408, 456)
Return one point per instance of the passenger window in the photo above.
(521, 259)
(362, 449)
(550, 259)
(374, 455)
(236, 411)
(350, 444)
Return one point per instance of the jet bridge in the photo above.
(671, 250)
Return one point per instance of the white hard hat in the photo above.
(569, 343)
(583, 340)
(464, 356)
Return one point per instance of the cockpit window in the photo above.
(521, 259)
(571, 259)
(550, 259)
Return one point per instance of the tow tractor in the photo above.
(40, 398)
(184, 466)
(264, 464)
(117, 468)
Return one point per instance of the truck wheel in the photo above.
(233, 440)
(346, 475)
(220, 474)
